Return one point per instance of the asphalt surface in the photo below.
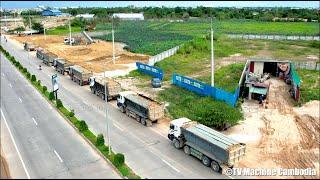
(42, 144)
(147, 149)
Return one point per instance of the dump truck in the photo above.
(48, 58)
(39, 53)
(29, 46)
(213, 148)
(62, 65)
(97, 86)
(140, 107)
(80, 75)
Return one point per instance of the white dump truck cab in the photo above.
(91, 81)
(121, 99)
(175, 127)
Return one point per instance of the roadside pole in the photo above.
(107, 119)
(212, 57)
(113, 53)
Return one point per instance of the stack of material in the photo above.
(113, 86)
(155, 109)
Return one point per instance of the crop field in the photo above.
(310, 86)
(153, 37)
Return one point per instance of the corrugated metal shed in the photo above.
(213, 136)
(129, 16)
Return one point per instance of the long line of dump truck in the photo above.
(97, 86)
(213, 148)
(142, 108)
(80, 75)
(62, 65)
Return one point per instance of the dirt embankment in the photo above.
(96, 57)
(281, 136)
(5, 173)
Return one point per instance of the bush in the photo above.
(33, 78)
(100, 140)
(59, 103)
(71, 114)
(83, 126)
(118, 160)
(25, 70)
(44, 89)
(39, 83)
(51, 96)
(28, 75)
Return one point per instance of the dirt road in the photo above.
(96, 57)
(282, 135)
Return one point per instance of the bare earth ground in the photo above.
(5, 173)
(281, 135)
(96, 57)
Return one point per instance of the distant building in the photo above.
(85, 16)
(129, 16)
(50, 12)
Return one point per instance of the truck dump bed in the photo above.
(113, 87)
(80, 72)
(213, 143)
(155, 109)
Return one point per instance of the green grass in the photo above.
(212, 113)
(194, 57)
(310, 85)
(62, 30)
(153, 37)
(226, 78)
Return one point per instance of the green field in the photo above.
(310, 85)
(62, 30)
(153, 37)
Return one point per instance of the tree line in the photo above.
(221, 13)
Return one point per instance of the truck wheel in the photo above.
(205, 161)
(186, 149)
(137, 118)
(127, 113)
(176, 143)
(143, 121)
(215, 166)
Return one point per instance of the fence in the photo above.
(205, 89)
(307, 65)
(274, 37)
(162, 55)
(151, 70)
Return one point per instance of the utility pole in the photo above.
(113, 53)
(107, 119)
(44, 31)
(30, 23)
(69, 32)
(212, 57)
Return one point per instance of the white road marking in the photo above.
(20, 100)
(10, 85)
(230, 177)
(35, 121)
(15, 145)
(117, 126)
(170, 165)
(58, 155)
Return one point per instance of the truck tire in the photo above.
(176, 143)
(186, 150)
(215, 166)
(128, 113)
(137, 118)
(143, 121)
(206, 161)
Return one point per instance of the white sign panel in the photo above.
(55, 82)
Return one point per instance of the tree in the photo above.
(100, 140)
(38, 27)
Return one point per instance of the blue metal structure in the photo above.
(49, 12)
(150, 70)
(205, 89)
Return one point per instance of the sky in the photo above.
(30, 4)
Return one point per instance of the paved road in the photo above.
(148, 151)
(42, 144)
